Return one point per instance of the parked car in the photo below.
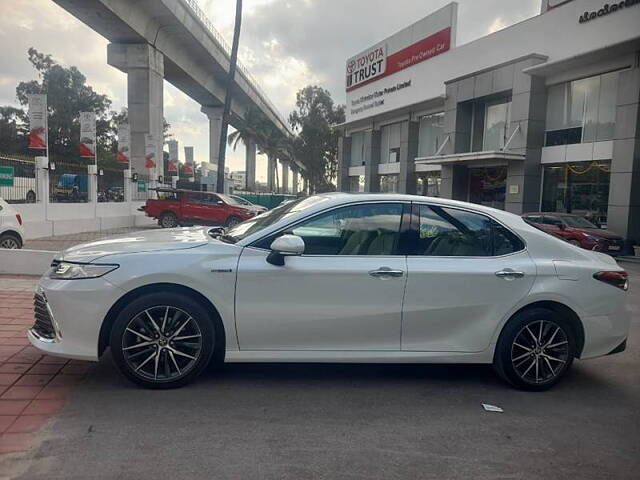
(71, 188)
(186, 207)
(578, 231)
(337, 278)
(11, 229)
(244, 201)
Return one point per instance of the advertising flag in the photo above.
(37, 121)
(124, 143)
(87, 134)
(188, 166)
(173, 156)
(150, 151)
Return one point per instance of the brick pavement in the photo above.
(33, 386)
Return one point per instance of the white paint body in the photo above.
(328, 308)
(9, 221)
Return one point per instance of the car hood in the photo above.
(137, 242)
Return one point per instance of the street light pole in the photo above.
(227, 99)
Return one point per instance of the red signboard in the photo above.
(412, 55)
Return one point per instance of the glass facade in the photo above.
(581, 188)
(488, 186)
(356, 184)
(388, 183)
(496, 125)
(430, 135)
(390, 143)
(428, 184)
(357, 149)
(582, 111)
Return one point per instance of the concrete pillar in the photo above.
(250, 166)
(455, 182)
(144, 66)
(409, 135)
(42, 180)
(371, 160)
(128, 190)
(344, 162)
(92, 183)
(214, 114)
(624, 191)
(305, 185)
(271, 174)
(285, 176)
(294, 173)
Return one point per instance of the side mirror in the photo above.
(220, 202)
(285, 246)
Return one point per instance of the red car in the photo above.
(578, 231)
(186, 207)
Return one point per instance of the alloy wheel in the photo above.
(162, 343)
(9, 242)
(540, 352)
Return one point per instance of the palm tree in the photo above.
(248, 129)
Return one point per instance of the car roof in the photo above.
(553, 214)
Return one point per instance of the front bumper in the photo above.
(77, 309)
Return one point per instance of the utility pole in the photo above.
(227, 99)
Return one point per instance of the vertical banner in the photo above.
(173, 157)
(124, 143)
(37, 121)
(188, 158)
(87, 134)
(150, 151)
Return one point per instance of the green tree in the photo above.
(13, 130)
(316, 142)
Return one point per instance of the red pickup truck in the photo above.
(185, 207)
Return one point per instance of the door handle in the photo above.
(509, 274)
(385, 272)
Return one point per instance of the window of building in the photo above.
(356, 184)
(496, 124)
(388, 183)
(357, 149)
(582, 110)
(430, 134)
(581, 188)
(447, 232)
(371, 229)
(428, 184)
(390, 143)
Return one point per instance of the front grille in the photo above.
(43, 325)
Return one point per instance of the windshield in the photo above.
(240, 200)
(229, 200)
(578, 222)
(283, 211)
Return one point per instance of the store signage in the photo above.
(375, 64)
(172, 167)
(87, 134)
(188, 166)
(142, 186)
(37, 121)
(124, 143)
(6, 176)
(606, 9)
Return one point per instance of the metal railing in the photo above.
(140, 189)
(111, 185)
(204, 19)
(18, 179)
(69, 183)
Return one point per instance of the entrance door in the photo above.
(488, 186)
(344, 293)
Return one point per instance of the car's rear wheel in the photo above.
(535, 349)
(9, 240)
(163, 340)
(233, 221)
(168, 220)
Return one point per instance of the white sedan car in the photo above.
(337, 278)
(11, 229)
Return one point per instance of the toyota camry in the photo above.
(381, 278)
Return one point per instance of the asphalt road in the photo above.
(353, 422)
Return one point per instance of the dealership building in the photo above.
(540, 116)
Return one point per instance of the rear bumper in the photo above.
(620, 348)
(604, 334)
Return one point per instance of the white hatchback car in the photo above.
(337, 278)
(11, 230)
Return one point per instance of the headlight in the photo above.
(78, 271)
(591, 237)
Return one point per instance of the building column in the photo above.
(285, 176)
(271, 174)
(250, 166)
(144, 66)
(371, 160)
(344, 162)
(455, 182)
(305, 185)
(624, 190)
(214, 114)
(294, 173)
(409, 132)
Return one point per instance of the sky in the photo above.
(286, 44)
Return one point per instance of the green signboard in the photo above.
(6, 176)
(142, 186)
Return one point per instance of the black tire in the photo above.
(175, 370)
(10, 240)
(232, 221)
(168, 220)
(529, 364)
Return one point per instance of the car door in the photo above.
(213, 212)
(465, 272)
(192, 207)
(343, 293)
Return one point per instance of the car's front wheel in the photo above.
(162, 340)
(9, 240)
(168, 220)
(535, 349)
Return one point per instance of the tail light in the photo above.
(19, 219)
(617, 279)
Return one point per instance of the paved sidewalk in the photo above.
(61, 242)
(33, 386)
